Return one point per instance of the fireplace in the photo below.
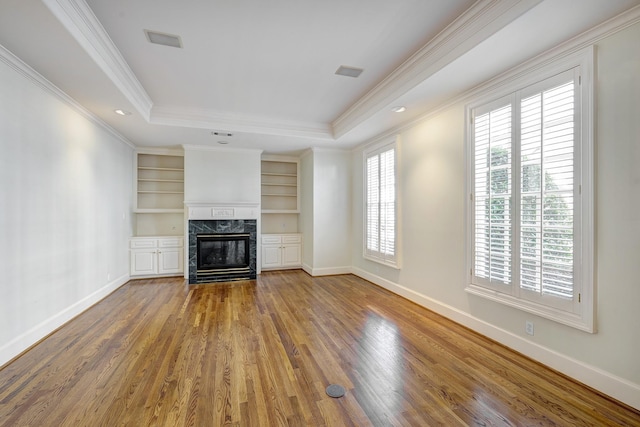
(222, 250)
(221, 255)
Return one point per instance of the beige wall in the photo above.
(432, 219)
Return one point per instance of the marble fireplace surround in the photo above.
(206, 217)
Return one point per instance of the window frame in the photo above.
(512, 89)
(377, 256)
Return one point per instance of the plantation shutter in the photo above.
(547, 191)
(381, 205)
(492, 196)
(530, 211)
(373, 204)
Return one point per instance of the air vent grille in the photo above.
(163, 39)
(349, 71)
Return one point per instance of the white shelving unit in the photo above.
(159, 192)
(281, 244)
(280, 179)
(159, 183)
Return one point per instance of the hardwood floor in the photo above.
(261, 353)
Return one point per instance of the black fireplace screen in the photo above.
(222, 251)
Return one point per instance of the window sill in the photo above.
(394, 265)
(570, 319)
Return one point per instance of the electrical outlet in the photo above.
(529, 328)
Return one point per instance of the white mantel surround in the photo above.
(209, 210)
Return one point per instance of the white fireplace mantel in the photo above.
(209, 210)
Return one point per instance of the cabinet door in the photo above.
(271, 256)
(170, 260)
(291, 255)
(143, 262)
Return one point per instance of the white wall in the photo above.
(65, 196)
(331, 211)
(221, 175)
(326, 211)
(306, 209)
(432, 214)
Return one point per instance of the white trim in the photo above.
(307, 269)
(326, 271)
(279, 158)
(78, 18)
(587, 38)
(211, 119)
(25, 340)
(221, 211)
(187, 147)
(38, 80)
(619, 388)
(476, 24)
(161, 151)
(372, 150)
(581, 315)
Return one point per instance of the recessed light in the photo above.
(223, 142)
(122, 112)
(399, 109)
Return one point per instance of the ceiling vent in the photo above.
(163, 39)
(349, 71)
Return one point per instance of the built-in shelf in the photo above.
(280, 185)
(279, 174)
(159, 192)
(144, 168)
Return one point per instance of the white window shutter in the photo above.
(546, 196)
(492, 196)
(380, 175)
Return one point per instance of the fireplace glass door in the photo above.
(222, 252)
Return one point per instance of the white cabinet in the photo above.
(156, 256)
(281, 251)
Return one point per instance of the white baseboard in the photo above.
(623, 390)
(327, 271)
(307, 269)
(23, 341)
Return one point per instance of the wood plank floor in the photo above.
(261, 353)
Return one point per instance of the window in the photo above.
(530, 204)
(380, 237)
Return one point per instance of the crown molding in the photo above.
(210, 119)
(563, 50)
(188, 147)
(280, 158)
(476, 24)
(78, 18)
(38, 80)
